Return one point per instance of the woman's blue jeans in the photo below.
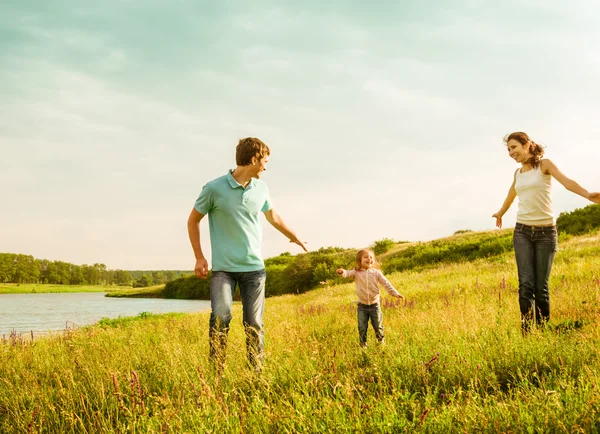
(535, 247)
(372, 312)
(252, 291)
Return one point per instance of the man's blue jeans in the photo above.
(535, 247)
(372, 312)
(252, 291)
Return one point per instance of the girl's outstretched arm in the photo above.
(549, 168)
(383, 281)
(510, 197)
(345, 273)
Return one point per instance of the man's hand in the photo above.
(300, 243)
(201, 268)
(594, 197)
(276, 221)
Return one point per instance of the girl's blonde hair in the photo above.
(359, 256)
(536, 150)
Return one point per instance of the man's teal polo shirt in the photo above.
(233, 219)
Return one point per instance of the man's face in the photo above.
(260, 165)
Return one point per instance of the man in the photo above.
(233, 203)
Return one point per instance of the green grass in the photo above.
(454, 361)
(111, 290)
(149, 292)
(27, 288)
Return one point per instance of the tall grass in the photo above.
(454, 361)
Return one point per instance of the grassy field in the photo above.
(149, 292)
(454, 361)
(27, 288)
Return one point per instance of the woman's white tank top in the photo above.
(535, 203)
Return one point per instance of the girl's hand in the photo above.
(339, 271)
(594, 197)
(498, 218)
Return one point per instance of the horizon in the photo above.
(384, 121)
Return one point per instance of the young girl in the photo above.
(535, 237)
(367, 276)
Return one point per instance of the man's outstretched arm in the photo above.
(277, 222)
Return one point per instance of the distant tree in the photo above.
(27, 270)
(7, 267)
(100, 274)
(76, 275)
(89, 273)
(43, 264)
(51, 273)
(63, 271)
(122, 278)
(158, 278)
(143, 282)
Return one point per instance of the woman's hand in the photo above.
(594, 197)
(498, 218)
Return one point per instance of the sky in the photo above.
(384, 119)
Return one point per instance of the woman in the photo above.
(535, 236)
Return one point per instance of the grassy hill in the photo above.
(454, 361)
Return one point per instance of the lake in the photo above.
(42, 313)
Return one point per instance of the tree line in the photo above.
(287, 273)
(19, 268)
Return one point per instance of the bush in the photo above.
(189, 287)
(580, 221)
(382, 246)
(143, 282)
(463, 231)
(284, 259)
(277, 283)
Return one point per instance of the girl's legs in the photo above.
(377, 322)
(363, 323)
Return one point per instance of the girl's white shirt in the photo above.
(534, 190)
(367, 289)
